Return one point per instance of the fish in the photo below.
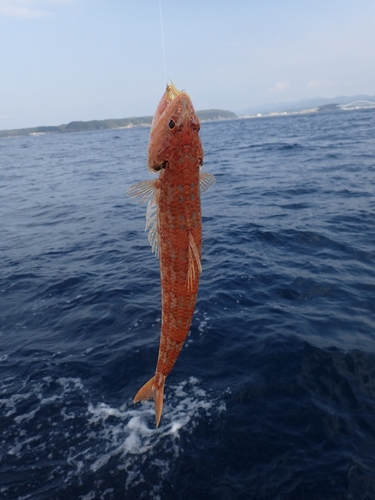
(174, 221)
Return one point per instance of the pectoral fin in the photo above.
(194, 261)
(206, 180)
(143, 191)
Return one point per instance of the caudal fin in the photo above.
(151, 391)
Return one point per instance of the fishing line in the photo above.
(162, 39)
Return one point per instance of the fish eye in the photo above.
(171, 124)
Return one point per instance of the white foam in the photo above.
(26, 416)
(83, 438)
(90, 496)
(11, 402)
(202, 322)
(131, 437)
(69, 382)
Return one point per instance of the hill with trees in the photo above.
(82, 126)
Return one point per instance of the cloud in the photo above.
(314, 84)
(279, 87)
(19, 11)
(29, 8)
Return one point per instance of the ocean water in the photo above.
(273, 395)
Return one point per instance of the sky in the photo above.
(66, 60)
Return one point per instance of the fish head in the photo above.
(175, 124)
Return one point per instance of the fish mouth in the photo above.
(173, 92)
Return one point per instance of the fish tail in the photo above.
(151, 391)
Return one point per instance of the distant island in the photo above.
(81, 126)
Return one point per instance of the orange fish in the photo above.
(175, 221)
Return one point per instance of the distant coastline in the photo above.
(359, 101)
(82, 126)
(320, 109)
(297, 108)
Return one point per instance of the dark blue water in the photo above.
(273, 396)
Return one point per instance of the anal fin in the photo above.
(195, 265)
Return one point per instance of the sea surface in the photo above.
(273, 395)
